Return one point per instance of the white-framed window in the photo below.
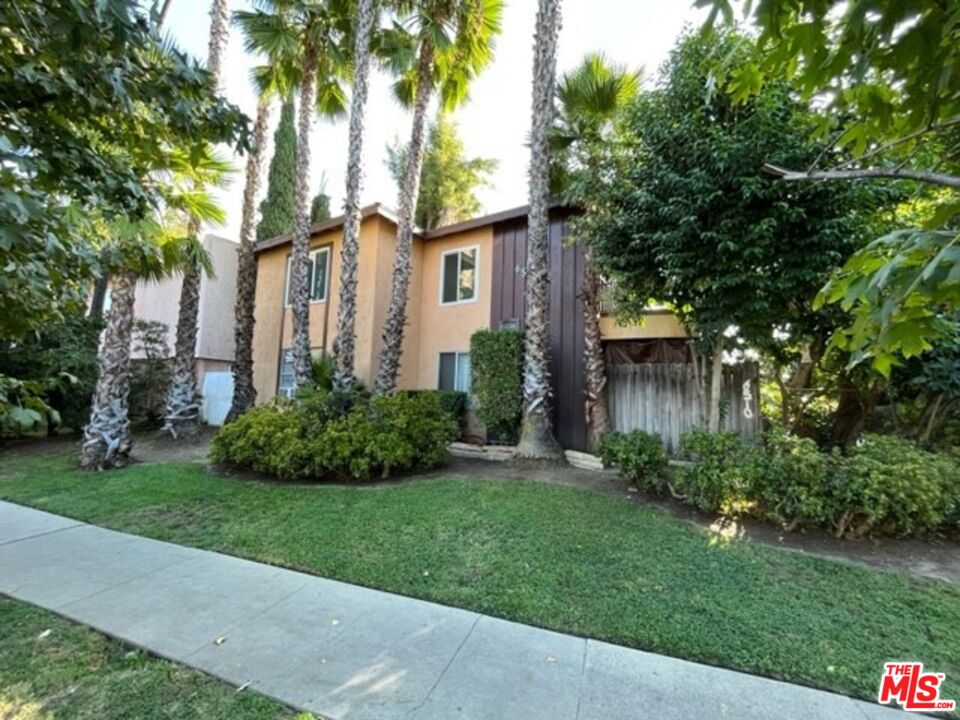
(286, 384)
(454, 371)
(458, 275)
(319, 266)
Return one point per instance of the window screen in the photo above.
(454, 371)
(450, 270)
(316, 275)
(318, 290)
(286, 383)
(448, 371)
(468, 272)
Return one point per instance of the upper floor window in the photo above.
(458, 276)
(319, 260)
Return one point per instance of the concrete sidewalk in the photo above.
(343, 651)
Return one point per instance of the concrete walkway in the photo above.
(347, 652)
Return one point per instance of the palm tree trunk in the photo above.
(595, 367)
(716, 381)
(300, 257)
(164, 9)
(219, 32)
(344, 344)
(395, 323)
(182, 417)
(536, 433)
(244, 393)
(106, 438)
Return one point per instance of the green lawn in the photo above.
(557, 557)
(50, 668)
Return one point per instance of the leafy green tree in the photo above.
(448, 180)
(276, 209)
(66, 352)
(884, 75)
(682, 212)
(90, 102)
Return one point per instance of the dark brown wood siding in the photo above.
(566, 314)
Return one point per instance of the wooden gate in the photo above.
(663, 398)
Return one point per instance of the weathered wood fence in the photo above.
(663, 398)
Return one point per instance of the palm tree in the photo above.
(138, 250)
(536, 432)
(589, 99)
(271, 81)
(182, 417)
(440, 43)
(303, 42)
(306, 37)
(343, 349)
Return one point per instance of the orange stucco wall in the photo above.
(431, 328)
(447, 328)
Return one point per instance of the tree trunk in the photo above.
(182, 418)
(244, 393)
(219, 32)
(716, 381)
(536, 433)
(395, 323)
(164, 9)
(853, 407)
(182, 415)
(300, 256)
(106, 438)
(344, 343)
(595, 367)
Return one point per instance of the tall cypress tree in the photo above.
(276, 209)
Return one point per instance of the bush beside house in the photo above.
(496, 361)
(884, 486)
(340, 435)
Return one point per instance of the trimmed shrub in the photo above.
(339, 434)
(266, 438)
(890, 486)
(496, 362)
(453, 401)
(723, 469)
(639, 455)
(791, 485)
(393, 433)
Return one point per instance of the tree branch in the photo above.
(874, 172)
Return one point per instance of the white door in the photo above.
(217, 396)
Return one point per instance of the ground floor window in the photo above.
(454, 371)
(287, 382)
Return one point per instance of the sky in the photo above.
(495, 121)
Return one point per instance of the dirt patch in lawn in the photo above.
(157, 447)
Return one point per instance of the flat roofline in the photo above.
(389, 214)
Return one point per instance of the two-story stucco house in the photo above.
(465, 277)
